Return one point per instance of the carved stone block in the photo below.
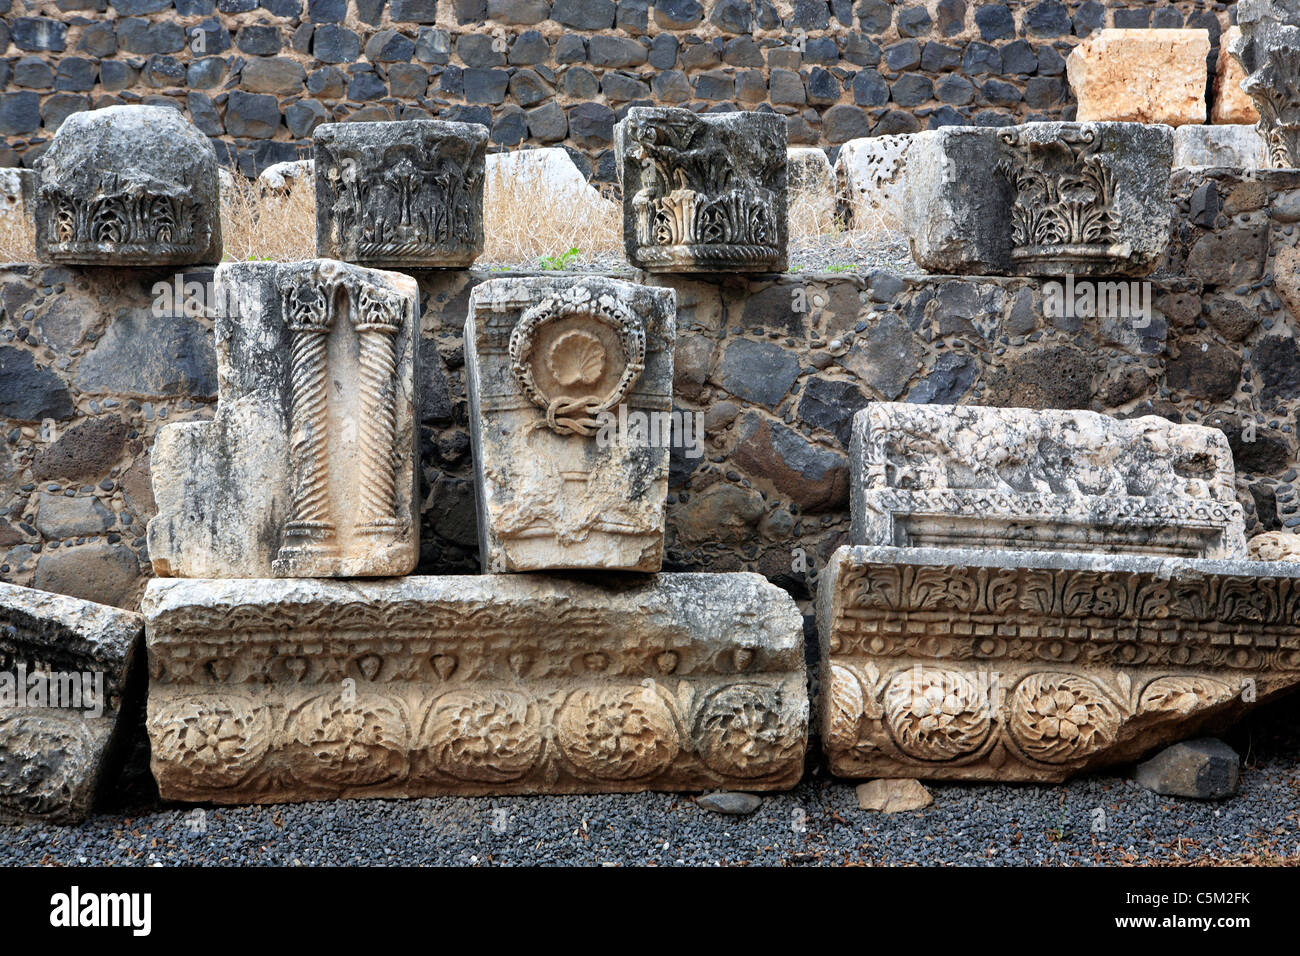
(308, 469)
(1240, 146)
(272, 691)
(1040, 199)
(1140, 76)
(405, 194)
(65, 669)
(128, 185)
(703, 193)
(967, 476)
(1032, 666)
(570, 388)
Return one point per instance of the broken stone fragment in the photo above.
(703, 193)
(65, 680)
(400, 194)
(1232, 104)
(892, 796)
(1140, 76)
(813, 181)
(1203, 769)
(128, 185)
(273, 690)
(1040, 199)
(571, 418)
(947, 664)
(974, 477)
(308, 469)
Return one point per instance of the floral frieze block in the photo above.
(128, 185)
(271, 691)
(703, 193)
(1034, 666)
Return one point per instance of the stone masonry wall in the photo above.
(776, 365)
(257, 78)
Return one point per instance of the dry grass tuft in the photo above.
(527, 225)
(17, 235)
(280, 226)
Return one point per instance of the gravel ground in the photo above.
(818, 823)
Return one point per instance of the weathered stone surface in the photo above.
(547, 170)
(733, 804)
(280, 178)
(570, 387)
(65, 683)
(893, 796)
(870, 177)
(307, 470)
(1274, 546)
(1034, 666)
(813, 181)
(97, 571)
(1205, 769)
(1232, 104)
(1268, 50)
(1219, 146)
(703, 193)
(17, 191)
(968, 476)
(400, 194)
(1140, 76)
(128, 185)
(473, 685)
(1040, 199)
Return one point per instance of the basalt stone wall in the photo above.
(258, 77)
(94, 361)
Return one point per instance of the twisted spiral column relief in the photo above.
(377, 319)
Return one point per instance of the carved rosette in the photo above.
(936, 714)
(1063, 219)
(708, 193)
(42, 755)
(352, 743)
(208, 741)
(1056, 718)
(577, 354)
(618, 733)
(491, 736)
(748, 730)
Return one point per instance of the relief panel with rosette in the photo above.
(400, 194)
(703, 193)
(128, 185)
(550, 362)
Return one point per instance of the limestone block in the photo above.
(948, 664)
(1140, 76)
(308, 469)
(271, 691)
(1240, 146)
(405, 194)
(1274, 546)
(703, 193)
(65, 683)
(1040, 199)
(869, 176)
(128, 185)
(812, 181)
(892, 796)
(1232, 104)
(967, 476)
(570, 390)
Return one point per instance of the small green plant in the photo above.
(840, 267)
(562, 260)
